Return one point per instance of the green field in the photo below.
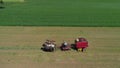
(13, 0)
(61, 13)
(20, 47)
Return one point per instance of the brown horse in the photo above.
(49, 46)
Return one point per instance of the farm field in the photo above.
(60, 13)
(20, 47)
(26, 24)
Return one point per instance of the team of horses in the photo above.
(80, 45)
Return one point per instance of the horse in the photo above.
(49, 46)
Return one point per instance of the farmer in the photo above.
(65, 46)
(76, 40)
(80, 39)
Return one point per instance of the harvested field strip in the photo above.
(20, 46)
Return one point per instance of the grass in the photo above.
(13, 0)
(20, 47)
(61, 13)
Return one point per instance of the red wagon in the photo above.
(81, 44)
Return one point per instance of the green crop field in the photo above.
(13, 0)
(60, 13)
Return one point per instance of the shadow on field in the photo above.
(59, 48)
(45, 50)
(73, 47)
(1, 7)
(42, 49)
